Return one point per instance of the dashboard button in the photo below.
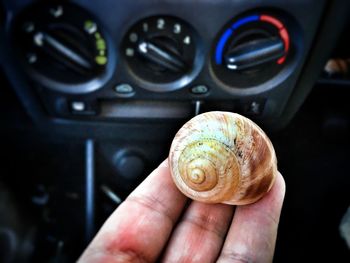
(78, 106)
(200, 89)
(124, 90)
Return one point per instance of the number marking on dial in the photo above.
(133, 37)
(187, 40)
(177, 29)
(160, 23)
(129, 52)
(145, 27)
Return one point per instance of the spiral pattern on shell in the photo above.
(222, 157)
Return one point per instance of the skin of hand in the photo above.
(158, 223)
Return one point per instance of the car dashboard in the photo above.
(94, 91)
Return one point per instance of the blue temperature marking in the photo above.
(245, 20)
(221, 45)
(222, 42)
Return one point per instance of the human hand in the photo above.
(156, 222)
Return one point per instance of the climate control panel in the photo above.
(168, 61)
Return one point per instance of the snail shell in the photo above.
(222, 157)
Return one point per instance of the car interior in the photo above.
(93, 92)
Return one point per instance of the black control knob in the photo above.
(60, 44)
(130, 166)
(254, 53)
(251, 50)
(164, 53)
(65, 48)
(161, 51)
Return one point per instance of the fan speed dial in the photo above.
(161, 51)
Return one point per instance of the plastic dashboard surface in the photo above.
(128, 64)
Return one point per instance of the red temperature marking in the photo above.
(272, 20)
(285, 37)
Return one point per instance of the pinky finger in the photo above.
(253, 231)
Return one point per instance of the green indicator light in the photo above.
(97, 35)
(90, 27)
(88, 24)
(101, 52)
(101, 60)
(100, 44)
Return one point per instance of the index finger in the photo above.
(138, 230)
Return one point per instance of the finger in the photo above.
(138, 230)
(252, 235)
(200, 234)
